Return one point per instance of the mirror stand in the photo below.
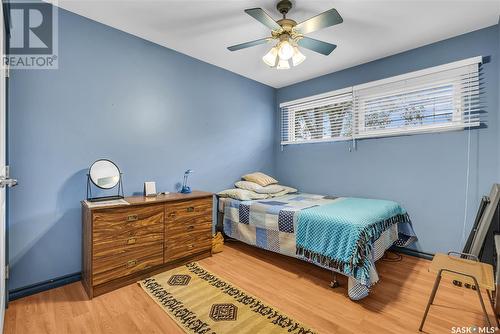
(104, 198)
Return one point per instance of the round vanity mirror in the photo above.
(104, 174)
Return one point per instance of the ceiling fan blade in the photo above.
(260, 15)
(326, 19)
(316, 46)
(248, 44)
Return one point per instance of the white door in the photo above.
(4, 172)
(3, 91)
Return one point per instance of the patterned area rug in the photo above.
(200, 302)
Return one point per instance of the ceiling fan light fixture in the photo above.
(298, 57)
(283, 65)
(287, 34)
(271, 58)
(285, 50)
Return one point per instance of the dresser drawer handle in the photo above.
(131, 241)
(190, 246)
(190, 209)
(190, 227)
(131, 263)
(172, 215)
(132, 218)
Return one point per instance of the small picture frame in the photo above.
(149, 188)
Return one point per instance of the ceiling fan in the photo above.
(290, 35)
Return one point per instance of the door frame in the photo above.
(6, 37)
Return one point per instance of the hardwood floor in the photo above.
(299, 289)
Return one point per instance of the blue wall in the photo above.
(154, 111)
(425, 173)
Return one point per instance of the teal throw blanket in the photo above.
(340, 234)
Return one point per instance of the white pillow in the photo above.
(286, 190)
(247, 185)
(252, 186)
(270, 189)
(290, 190)
(242, 194)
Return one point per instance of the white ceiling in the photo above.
(371, 29)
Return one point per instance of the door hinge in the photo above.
(7, 71)
(7, 272)
(6, 181)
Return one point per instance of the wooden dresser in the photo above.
(126, 243)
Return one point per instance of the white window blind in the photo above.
(441, 98)
(325, 118)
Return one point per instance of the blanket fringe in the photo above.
(357, 264)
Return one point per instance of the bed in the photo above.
(345, 235)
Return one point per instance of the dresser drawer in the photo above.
(113, 223)
(192, 237)
(123, 244)
(188, 209)
(111, 267)
(188, 225)
(179, 247)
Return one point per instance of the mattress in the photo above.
(270, 224)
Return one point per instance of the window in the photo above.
(441, 98)
(326, 118)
